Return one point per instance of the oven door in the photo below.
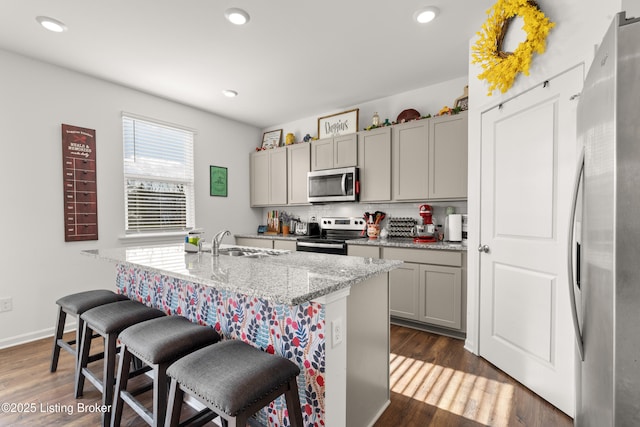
(335, 248)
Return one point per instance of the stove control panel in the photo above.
(342, 223)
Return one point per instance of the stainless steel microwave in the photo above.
(333, 185)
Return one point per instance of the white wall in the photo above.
(37, 266)
(580, 26)
(426, 100)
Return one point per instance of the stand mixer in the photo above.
(425, 233)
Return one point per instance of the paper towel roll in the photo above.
(455, 228)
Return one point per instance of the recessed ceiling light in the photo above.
(230, 93)
(51, 24)
(236, 16)
(426, 14)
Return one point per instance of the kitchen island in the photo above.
(328, 314)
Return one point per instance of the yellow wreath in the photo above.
(500, 68)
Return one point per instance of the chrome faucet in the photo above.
(215, 242)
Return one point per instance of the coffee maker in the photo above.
(425, 233)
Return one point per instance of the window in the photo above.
(158, 176)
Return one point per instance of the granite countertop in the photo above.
(407, 242)
(398, 242)
(290, 278)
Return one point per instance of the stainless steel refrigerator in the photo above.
(605, 262)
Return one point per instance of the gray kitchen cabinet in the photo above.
(374, 163)
(363, 251)
(404, 291)
(440, 300)
(289, 245)
(269, 177)
(254, 242)
(298, 165)
(428, 288)
(448, 157)
(411, 160)
(336, 152)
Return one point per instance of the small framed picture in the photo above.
(218, 181)
(462, 103)
(271, 139)
(338, 124)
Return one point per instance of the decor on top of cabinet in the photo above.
(500, 67)
(271, 139)
(408, 115)
(290, 139)
(462, 102)
(338, 124)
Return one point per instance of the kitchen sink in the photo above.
(250, 252)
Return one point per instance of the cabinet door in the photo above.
(363, 251)
(404, 291)
(278, 176)
(298, 163)
(411, 160)
(322, 154)
(345, 151)
(260, 178)
(440, 296)
(374, 161)
(254, 243)
(448, 157)
(289, 245)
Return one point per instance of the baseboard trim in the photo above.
(33, 336)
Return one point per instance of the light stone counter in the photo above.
(400, 242)
(302, 306)
(291, 278)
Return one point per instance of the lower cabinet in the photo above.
(289, 245)
(428, 288)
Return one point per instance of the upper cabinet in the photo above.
(448, 161)
(298, 165)
(430, 159)
(269, 177)
(374, 163)
(337, 152)
(411, 160)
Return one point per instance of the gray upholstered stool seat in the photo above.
(107, 320)
(234, 380)
(76, 304)
(157, 343)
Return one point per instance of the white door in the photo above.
(528, 161)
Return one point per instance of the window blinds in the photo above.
(158, 176)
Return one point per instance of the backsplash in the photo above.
(306, 213)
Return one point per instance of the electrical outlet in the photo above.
(6, 304)
(336, 332)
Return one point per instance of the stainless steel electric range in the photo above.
(334, 232)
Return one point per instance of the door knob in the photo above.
(483, 248)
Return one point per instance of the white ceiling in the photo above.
(294, 59)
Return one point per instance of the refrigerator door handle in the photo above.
(572, 220)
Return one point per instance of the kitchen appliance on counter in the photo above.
(334, 232)
(425, 232)
(307, 228)
(606, 293)
(333, 185)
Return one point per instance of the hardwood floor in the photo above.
(434, 382)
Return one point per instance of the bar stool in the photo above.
(107, 320)
(157, 343)
(234, 380)
(76, 304)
